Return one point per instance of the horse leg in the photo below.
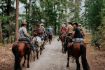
(78, 64)
(49, 41)
(28, 58)
(68, 59)
(43, 46)
(34, 55)
(31, 55)
(40, 50)
(24, 61)
(62, 47)
(17, 65)
(83, 59)
(37, 54)
(73, 60)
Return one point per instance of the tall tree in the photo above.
(17, 15)
(0, 32)
(92, 13)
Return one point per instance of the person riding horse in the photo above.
(23, 34)
(50, 33)
(70, 28)
(75, 48)
(76, 34)
(62, 36)
(63, 30)
(22, 48)
(40, 30)
(69, 33)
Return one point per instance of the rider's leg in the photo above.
(65, 45)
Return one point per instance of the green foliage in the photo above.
(92, 14)
(95, 18)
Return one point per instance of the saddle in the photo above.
(24, 40)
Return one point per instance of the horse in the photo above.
(75, 50)
(50, 36)
(21, 49)
(37, 41)
(62, 38)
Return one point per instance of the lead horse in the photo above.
(76, 50)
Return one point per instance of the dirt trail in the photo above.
(52, 59)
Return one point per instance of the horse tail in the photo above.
(83, 58)
(16, 54)
(15, 50)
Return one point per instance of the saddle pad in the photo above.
(38, 39)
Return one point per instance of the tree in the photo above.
(17, 15)
(0, 32)
(92, 13)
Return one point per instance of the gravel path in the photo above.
(52, 59)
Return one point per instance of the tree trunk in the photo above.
(8, 7)
(8, 10)
(77, 10)
(0, 33)
(17, 15)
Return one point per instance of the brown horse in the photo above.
(76, 50)
(21, 49)
(50, 36)
(62, 38)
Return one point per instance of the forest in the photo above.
(54, 13)
(51, 54)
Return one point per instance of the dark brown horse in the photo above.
(62, 38)
(21, 49)
(50, 36)
(76, 50)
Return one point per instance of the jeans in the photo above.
(78, 40)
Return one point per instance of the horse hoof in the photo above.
(37, 57)
(23, 65)
(34, 59)
(77, 69)
(28, 66)
(67, 66)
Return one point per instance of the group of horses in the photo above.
(23, 49)
(75, 50)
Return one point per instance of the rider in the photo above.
(63, 30)
(42, 26)
(69, 34)
(50, 32)
(23, 34)
(43, 30)
(78, 35)
(80, 27)
(70, 29)
(40, 30)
